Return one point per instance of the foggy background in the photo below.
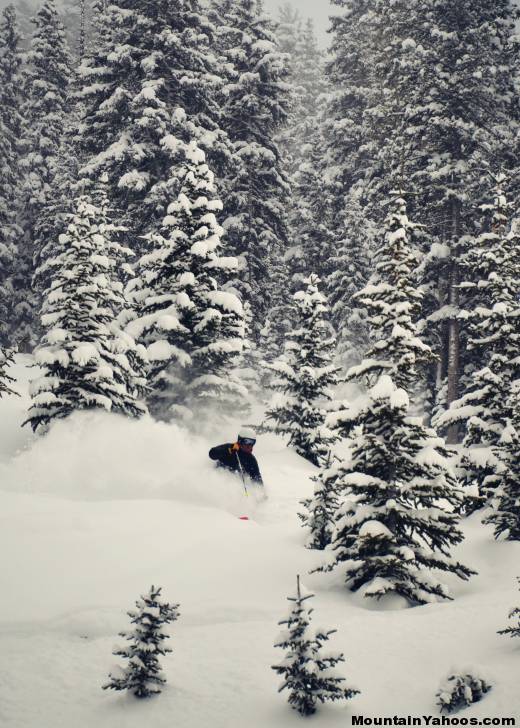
(318, 10)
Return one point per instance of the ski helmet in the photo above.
(247, 436)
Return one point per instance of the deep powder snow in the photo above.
(101, 508)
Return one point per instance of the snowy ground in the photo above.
(101, 508)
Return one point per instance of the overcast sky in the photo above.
(318, 10)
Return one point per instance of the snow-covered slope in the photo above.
(101, 508)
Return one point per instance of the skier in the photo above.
(238, 456)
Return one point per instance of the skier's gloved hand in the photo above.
(234, 448)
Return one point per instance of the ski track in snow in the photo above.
(101, 508)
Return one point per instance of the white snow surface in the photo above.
(101, 508)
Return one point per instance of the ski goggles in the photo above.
(246, 441)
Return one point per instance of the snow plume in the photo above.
(103, 456)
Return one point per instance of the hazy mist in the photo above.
(318, 10)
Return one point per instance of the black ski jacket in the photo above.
(227, 458)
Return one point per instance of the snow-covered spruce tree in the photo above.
(66, 184)
(309, 78)
(300, 145)
(461, 691)
(270, 349)
(493, 267)
(393, 300)
(64, 189)
(305, 376)
(399, 502)
(288, 31)
(25, 13)
(250, 366)
(304, 63)
(47, 80)
(513, 630)
(192, 328)
(318, 515)
(352, 92)
(307, 670)
(505, 504)
(87, 360)
(312, 221)
(256, 190)
(46, 86)
(156, 71)
(11, 264)
(346, 157)
(474, 125)
(143, 676)
(450, 126)
(6, 380)
(350, 274)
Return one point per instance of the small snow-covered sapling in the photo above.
(308, 673)
(143, 676)
(513, 630)
(460, 691)
(6, 359)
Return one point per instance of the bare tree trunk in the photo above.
(82, 30)
(454, 325)
(442, 365)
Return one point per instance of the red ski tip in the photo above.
(244, 518)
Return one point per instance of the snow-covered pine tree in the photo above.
(461, 691)
(442, 155)
(288, 31)
(319, 511)
(305, 376)
(302, 146)
(297, 40)
(350, 274)
(87, 360)
(352, 92)
(270, 349)
(256, 191)
(347, 147)
(143, 676)
(47, 79)
(399, 502)
(250, 365)
(393, 300)
(154, 73)
(312, 221)
(192, 328)
(11, 265)
(307, 670)
(392, 65)
(64, 188)
(308, 76)
(474, 125)
(97, 27)
(6, 380)
(513, 630)
(25, 10)
(493, 267)
(390, 531)
(505, 504)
